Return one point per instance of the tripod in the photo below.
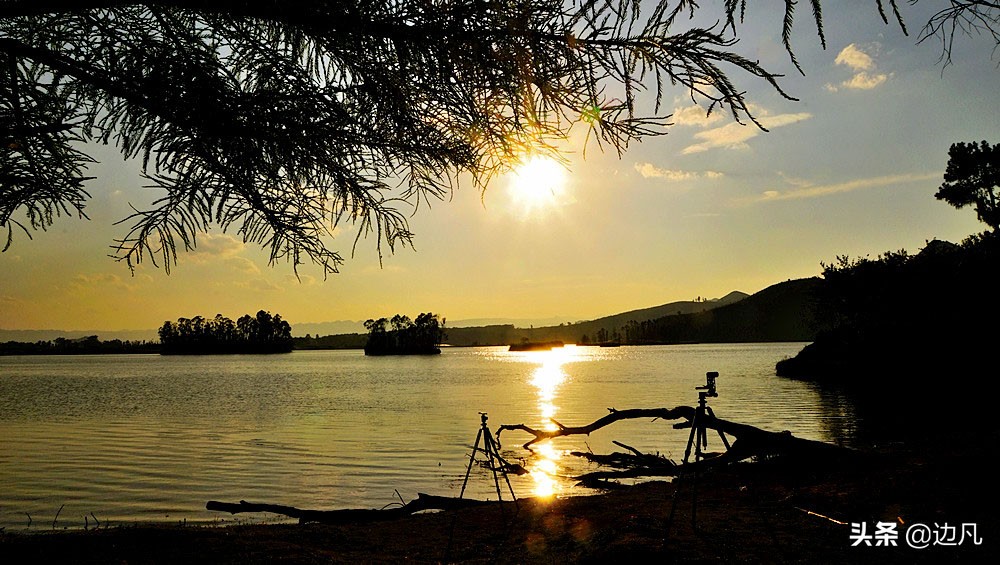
(491, 447)
(698, 439)
(492, 451)
(699, 432)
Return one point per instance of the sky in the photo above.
(850, 168)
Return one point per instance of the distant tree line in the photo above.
(400, 335)
(335, 341)
(82, 346)
(262, 333)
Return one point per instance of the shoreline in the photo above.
(762, 512)
(155, 349)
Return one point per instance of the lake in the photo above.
(149, 438)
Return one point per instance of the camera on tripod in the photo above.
(699, 437)
(709, 387)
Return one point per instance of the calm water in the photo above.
(150, 438)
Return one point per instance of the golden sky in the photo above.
(714, 206)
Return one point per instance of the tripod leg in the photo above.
(494, 459)
(725, 440)
(472, 459)
(503, 469)
(691, 436)
(694, 501)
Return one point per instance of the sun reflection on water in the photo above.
(547, 378)
(545, 470)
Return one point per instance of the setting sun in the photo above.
(537, 184)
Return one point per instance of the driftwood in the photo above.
(422, 502)
(750, 441)
(621, 460)
(599, 479)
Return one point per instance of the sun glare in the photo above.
(537, 185)
(546, 378)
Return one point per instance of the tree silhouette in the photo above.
(407, 337)
(262, 333)
(971, 17)
(281, 121)
(973, 178)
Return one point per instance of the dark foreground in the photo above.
(769, 512)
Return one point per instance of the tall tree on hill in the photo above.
(973, 179)
(281, 121)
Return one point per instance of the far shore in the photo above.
(11, 348)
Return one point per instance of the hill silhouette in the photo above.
(507, 334)
(782, 312)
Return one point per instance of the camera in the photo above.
(709, 384)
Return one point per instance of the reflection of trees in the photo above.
(838, 415)
(262, 333)
(909, 411)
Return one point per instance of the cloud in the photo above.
(795, 181)
(855, 58)
(735, 135)
(104, 282)
(302, 280)
(223, 250)
(865, 77)
(649, 170)
(258, 285)
(771, 122)
(864, 81)
(695, 115)
(242, 265)
(215, 246)
(818, 191)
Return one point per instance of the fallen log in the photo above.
(750, 441)
(614, 416)
(351, 515)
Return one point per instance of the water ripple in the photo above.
(140, 438)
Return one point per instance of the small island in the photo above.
(526, 345)
(406, 336)
(262, 333)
